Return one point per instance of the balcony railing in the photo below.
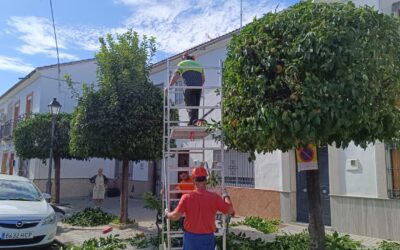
(7, 127)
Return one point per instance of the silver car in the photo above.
(26, 219)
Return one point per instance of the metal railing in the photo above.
(6, 129)
(239, 171)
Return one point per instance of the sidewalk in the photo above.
(67, 234)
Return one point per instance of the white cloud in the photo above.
(14, 64)
(182, 24)
(37, 35)
(177, 25)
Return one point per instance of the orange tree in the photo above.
(122, 117)
(326, 74)
(32, 140)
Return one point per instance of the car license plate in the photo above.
(15, 235)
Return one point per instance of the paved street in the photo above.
(77, 235)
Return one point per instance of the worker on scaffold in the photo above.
(192, 73)
(199, 208)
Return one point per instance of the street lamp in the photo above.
(54, 109)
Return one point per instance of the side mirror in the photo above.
(47, 197)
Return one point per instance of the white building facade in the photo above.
(32, 94)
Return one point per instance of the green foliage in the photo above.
(152, 202)
(142, 241)
(139, 241)
(337, 242)
(122, 118)
(32, 137)
(111, 242)
(213, 179)
(262, 225)
(314, 73)
(387, 245)
(242, 242)
(298, 241)
(90, 217)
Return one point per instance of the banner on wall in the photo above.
(306, 158)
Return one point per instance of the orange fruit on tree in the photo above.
(234, 123)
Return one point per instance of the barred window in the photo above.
(393, 170)
(239, 172)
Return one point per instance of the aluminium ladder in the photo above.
(178, 130)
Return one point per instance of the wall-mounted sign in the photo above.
(307, 158)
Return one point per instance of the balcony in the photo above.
(8, 126)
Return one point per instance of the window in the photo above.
(3, 117)
(9, 111)
(29, 105)
(16, 114)
(19, 190)
(239, 172)
(393, 170)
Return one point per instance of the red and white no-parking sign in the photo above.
(307, 158)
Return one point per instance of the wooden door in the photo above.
(4, 163)
(11, 164)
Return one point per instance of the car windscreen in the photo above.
(18, 190)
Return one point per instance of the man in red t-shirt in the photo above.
(199, 208)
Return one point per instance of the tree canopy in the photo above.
(122, 118)
(32, 137)
(314, 73)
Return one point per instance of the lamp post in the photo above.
(54, 109)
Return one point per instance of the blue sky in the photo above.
(27, 40)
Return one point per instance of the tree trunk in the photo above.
(124, 192)
(57, 170)
(316, 224)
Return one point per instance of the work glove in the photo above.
(166, 211)
(224, 193)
